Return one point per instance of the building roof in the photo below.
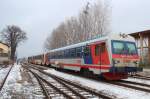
(145, 33)
(4, 43)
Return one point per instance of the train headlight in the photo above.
(136, 62)
(116, 61)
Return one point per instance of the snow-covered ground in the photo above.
(139, 80)
(22, 85)
(17, 86)
(146, 72)
(120, 92)
(3, 72)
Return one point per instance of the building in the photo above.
(143, 44)
(4, 53)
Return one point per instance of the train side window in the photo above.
(99, 49)
(72, 52)
(55, 55)
(78, 52)
(58, 54)
(61, 54)
(66, 53)
(49, 55)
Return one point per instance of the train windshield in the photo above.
(123, 47)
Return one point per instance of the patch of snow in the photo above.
(16, 88)
(120, 92)
(3, 72)
(148, 70)
(139, 80)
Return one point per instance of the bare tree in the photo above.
(72, 30)
(13, 36)
(57, 38)
(92, 22)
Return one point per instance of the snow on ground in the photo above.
(146, 72)
(17, 86)
(3, 72)
(21, 85)
(139, 80)
(120, 92)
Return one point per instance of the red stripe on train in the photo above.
(87, 66)
(125, 56)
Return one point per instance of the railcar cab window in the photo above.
(86, 51)
(131, 48)
(118, 47)
(123, 47)
(99, 48)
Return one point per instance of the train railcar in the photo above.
(111, 57)
(38, 59)
(30, 59)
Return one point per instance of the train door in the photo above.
(87, 55)
(100, 54)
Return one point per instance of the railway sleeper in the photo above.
(76, 85)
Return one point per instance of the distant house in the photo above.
(4, 53)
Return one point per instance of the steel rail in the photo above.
(131, 82)
(42, 86)
(51, 85)
(2, 84)
(140, 77)
(76, 93)
(129, 86)
(99, 94)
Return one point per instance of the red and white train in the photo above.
(111, 57)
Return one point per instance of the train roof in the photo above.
(101, 39)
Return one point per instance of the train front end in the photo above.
(125, 59)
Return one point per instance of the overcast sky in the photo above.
(39, 17)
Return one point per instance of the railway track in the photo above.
(4, 80)
(135, 83)
(43, 87)
(132, 85)
(140, 77)
(68, 89)
(122, 83)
